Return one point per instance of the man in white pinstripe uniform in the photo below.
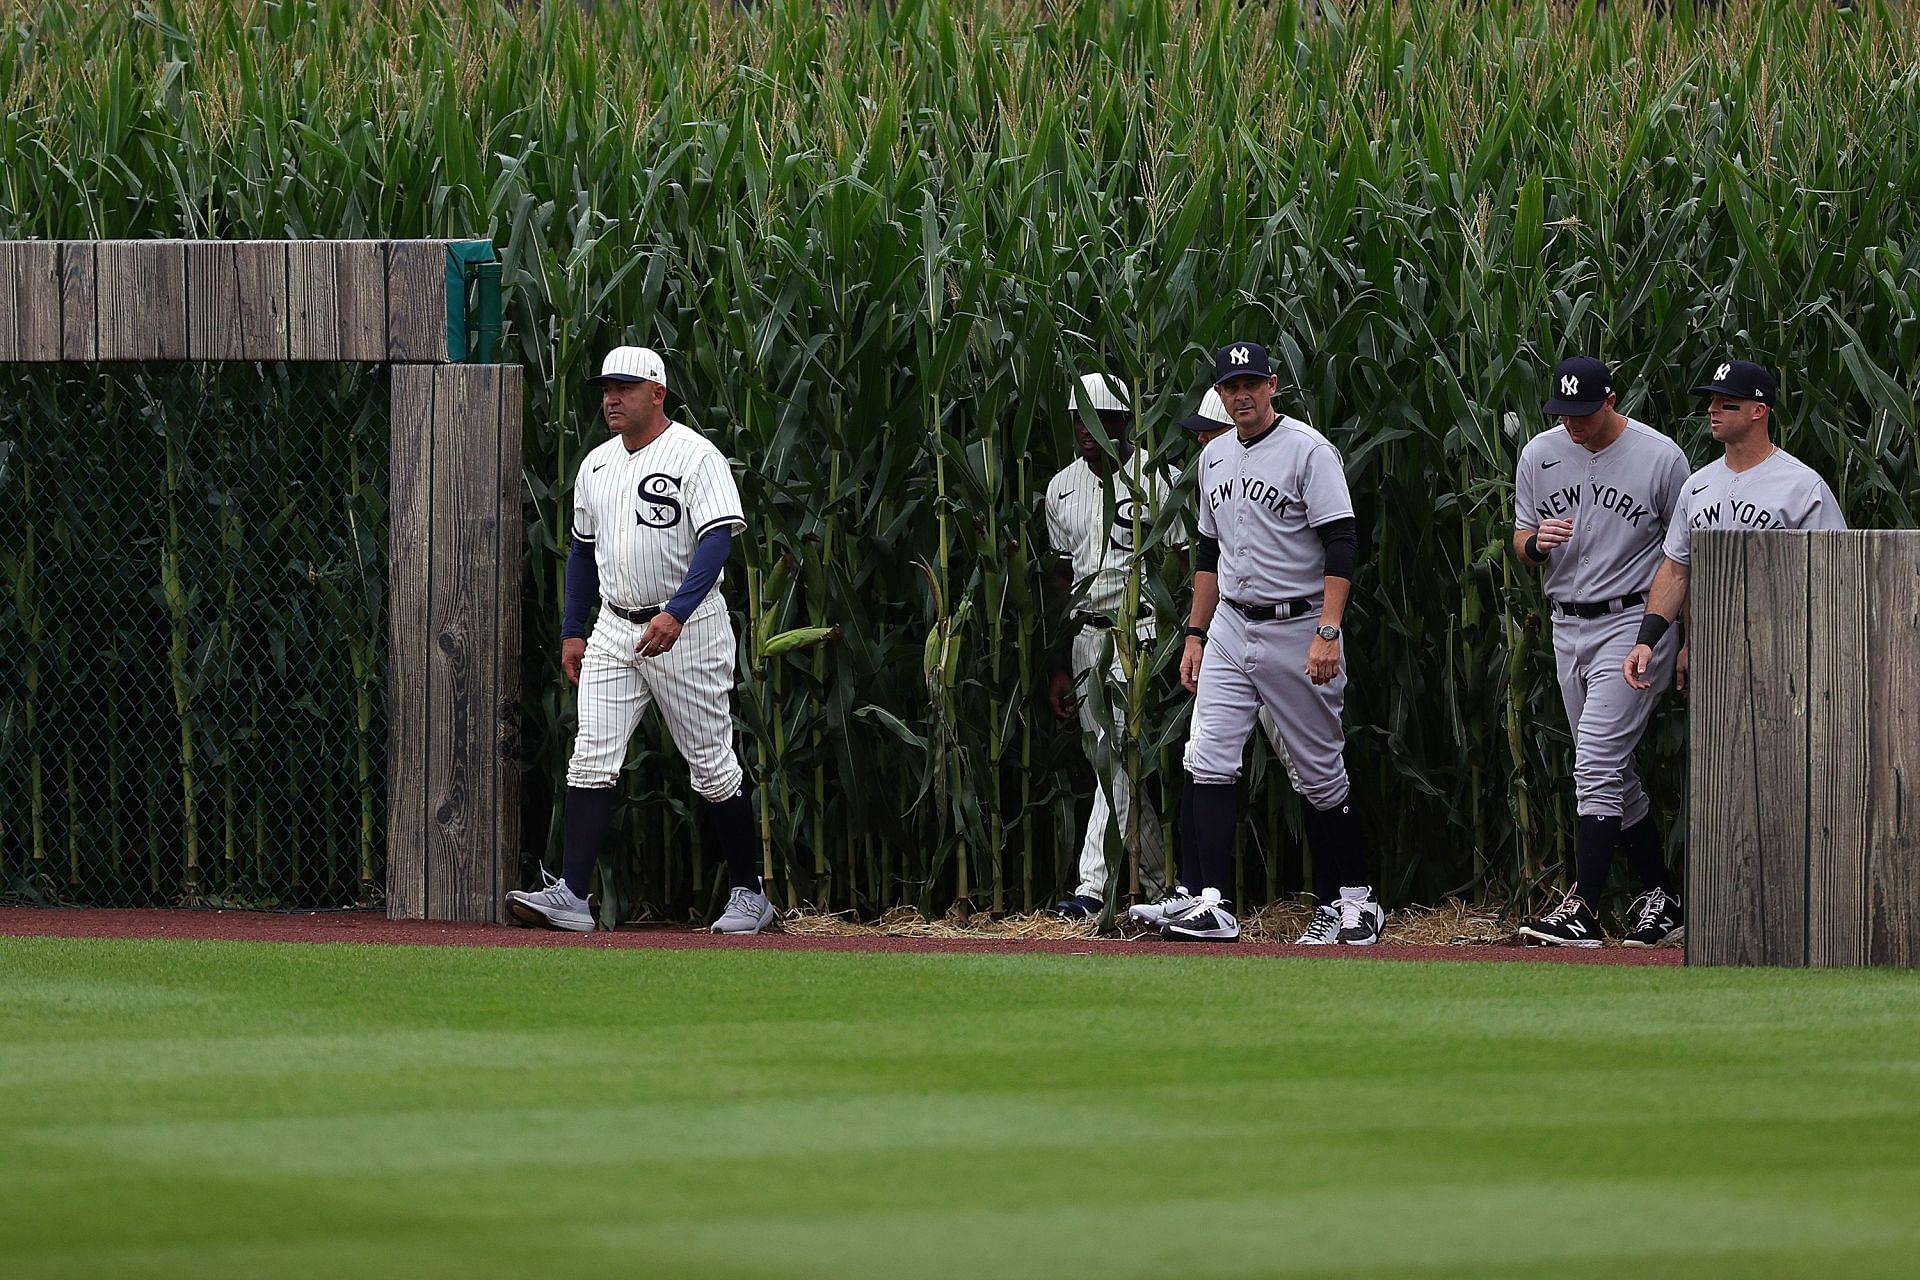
(655, 509)
(1094, 530)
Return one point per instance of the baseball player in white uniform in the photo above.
(1754, 485)
(655, 509)
(1095, 509)
(1591, 501)
(1272, 573)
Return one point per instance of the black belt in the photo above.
(647, 614)
(1098, 621)
(1268, 612)
(1599, 608)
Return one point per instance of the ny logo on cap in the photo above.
(1570, 385)
(1238, 355)
(1719, 375)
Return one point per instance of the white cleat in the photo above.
(1323, 930)
(553, 907)
(1176, 902)
(1208, 920)
(1362, 921)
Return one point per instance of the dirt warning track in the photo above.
(371, 928)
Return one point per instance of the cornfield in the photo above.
(877, 240)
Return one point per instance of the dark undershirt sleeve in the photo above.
(583, 590)
(709, 557)
(1341, 538)
(1206, 558)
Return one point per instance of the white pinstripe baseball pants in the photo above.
(1112, 792)
(692, 684)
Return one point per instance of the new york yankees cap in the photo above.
(1743, 380)
(631, 364)
(1212, 414)
(1240, 360)
(1100, 392)
(1581, 386)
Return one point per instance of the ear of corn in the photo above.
(876, 243)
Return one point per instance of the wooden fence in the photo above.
(454, 578)
(1804, 830)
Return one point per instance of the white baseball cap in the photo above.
(1103, 393)
(632, 364)
(1213, 413)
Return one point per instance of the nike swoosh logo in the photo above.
(600, 467)
(1701, 489)
(1214, 462)
(1064, 493)
(1556, 462)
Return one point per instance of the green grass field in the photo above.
(216, 1109)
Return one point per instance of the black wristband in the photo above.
(1532, 548)
(1198, 633)
(1652, 627)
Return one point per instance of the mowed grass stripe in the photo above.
(213, 1109)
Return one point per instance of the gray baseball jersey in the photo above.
(1781, 493)
(1077, 523)
(1619, 500)
(1262, 499)
(645, 512)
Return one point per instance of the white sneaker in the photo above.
(1323, 930)
(1362, 921)
(748, 911)
(1208, 920)
(554, 906)
(1174, 903)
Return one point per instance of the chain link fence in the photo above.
(193, 642)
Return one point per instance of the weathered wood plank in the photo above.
(11, 303)
(261, 269)
(1747, 865)
(512, 560)
(410, 738)
(1837, 764)
(313, 309)
(417, 300)
(79, 300)
(30, 314)
(1893, 750)
(213, 300)
(142, 300)
(37, 323)
(463, 628)
(360, 287)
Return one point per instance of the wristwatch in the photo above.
(1198, 633)
(1327, 633)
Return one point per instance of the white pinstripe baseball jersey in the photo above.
(1077, 523)
(645, 511)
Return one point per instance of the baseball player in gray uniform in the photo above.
(1754, 485)
(1094, 531)
(655, 509)
(1272, 573)
(1591, 501)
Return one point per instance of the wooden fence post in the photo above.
(1804, 831)
(452, 844)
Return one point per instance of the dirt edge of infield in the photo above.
(372, 928)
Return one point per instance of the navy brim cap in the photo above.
(1240, 360)
(1200, 422)
(599, 378)
(1744, 380)
(1558, 408)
